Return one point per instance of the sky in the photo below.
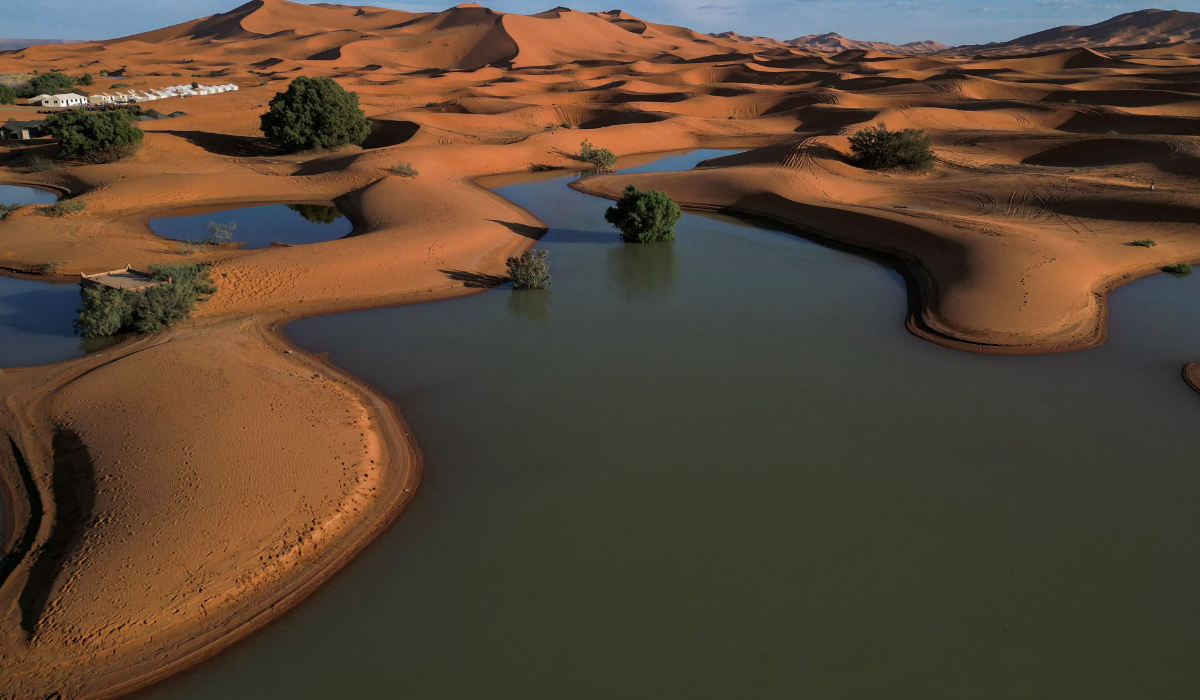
(951, 22)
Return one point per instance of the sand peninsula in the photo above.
(171, 494)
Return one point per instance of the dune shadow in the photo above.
(74, 485)
(475, 280)
(227, 144)
(9, 561)
(531, 232)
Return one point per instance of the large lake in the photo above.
(721, 468)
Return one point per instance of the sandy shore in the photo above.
(167, 496)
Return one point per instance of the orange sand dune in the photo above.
(1043, 177)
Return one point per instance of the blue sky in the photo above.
(897, 21)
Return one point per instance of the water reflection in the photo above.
(532, 304)
(643, 270)
(316, 213)
(258, 227)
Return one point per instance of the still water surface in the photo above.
(35, 322)
(16, 194)
(259, 227)
(721, 468)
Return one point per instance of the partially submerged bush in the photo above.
(530, 270)
(604, 159)
(404, 170)
(100, 137)
(106, 311)
(315, 113)
(63, 207)
(877, 148)
(1178, 269)
(644, 217)
(316, 213)
(1144, 243)
(218, 234)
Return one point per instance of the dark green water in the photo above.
(722, 469)
(259, 227)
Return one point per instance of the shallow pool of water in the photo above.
(17, 194)
(259, 227)
(35, 322)
(721, 468)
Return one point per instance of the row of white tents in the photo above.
(129, 96)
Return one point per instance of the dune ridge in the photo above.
(1043, 179)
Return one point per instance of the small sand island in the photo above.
(167, 495)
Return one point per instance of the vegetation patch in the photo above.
(644, 217)
(1144, 243)
(6, 208)
(603, 159)
(8, 96)
(1178, 269)
(530, 270)
(41, 164)
(47, 84)
(106, 311)
(878, 148)
(315, 113)
(64, 207)
(97, 137)
(404, 170)
(316, 213)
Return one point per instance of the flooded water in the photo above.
(16, 194)
(35, 322)
(259, 227)
(721, 468)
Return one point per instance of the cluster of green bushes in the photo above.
(8, 96)
(6, 208)
(315, 113)
(1144, 243)
(108, 311)
(46, 84)
(99, 137)
(530, 270)
(604, 159)
(1178, 269)
(878, 148)
(644, 217)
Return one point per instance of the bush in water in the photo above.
(644, 217)
(107, 311)
(530, 270)
(604, 159)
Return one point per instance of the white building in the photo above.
(70, 99)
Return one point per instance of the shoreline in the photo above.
(1191, 375)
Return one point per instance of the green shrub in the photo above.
(877, 148)
(644, 217)
(42, 164)
(63, 207)
(530, 270)
(85, 79)
(315, 113)
(1179, 269)
(194, 85)
(100, 137)
(604, 159)
(1144, 243)
(177, 75)
(316, 213)
(404, 170)
(107, 311)
(6, 208)
(48, 84)
(8, 96)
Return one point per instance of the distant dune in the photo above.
(14, 44)
(1141, 28)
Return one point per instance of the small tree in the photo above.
(315, 113)
(48, 84)
(604, 159)
(877, 148)
(530, 270)
(644, 217)
(8, 96)
(102, 137)
(218, 233)
(86, 79)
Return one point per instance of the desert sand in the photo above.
(169, 495)
(1191, 374)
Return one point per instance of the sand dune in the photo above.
(1045, 161)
